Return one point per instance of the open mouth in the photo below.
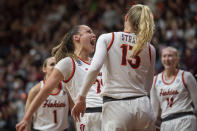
(92, 42)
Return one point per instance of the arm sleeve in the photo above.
(97, 62)
(151, 71)
(192, 87)
(66, 67)
(154, 100)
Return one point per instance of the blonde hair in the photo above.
(141, 20)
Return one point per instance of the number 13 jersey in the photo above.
(123, 76)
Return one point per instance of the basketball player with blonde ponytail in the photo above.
(143, 25)
(127, 59)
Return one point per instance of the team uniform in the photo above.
(52, 115)
(126, 82)
(91, 121)
(174, 101)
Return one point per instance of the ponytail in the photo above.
(141, 19)
(66, 46)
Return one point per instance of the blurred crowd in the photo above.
(29, 29)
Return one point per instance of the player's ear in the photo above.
(76, 37)
(44, 69)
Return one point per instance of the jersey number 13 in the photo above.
(134, 62)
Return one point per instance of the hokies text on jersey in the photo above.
(163, 92)
(49, 103)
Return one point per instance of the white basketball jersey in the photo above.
(93, 98)
(173, 97)
(52, 115)
(122, 76)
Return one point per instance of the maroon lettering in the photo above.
(48, 103)
(169, 92)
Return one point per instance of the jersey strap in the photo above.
(155, 80)
(112, 40)
(150, 53)
(184, 80)
(73, 72)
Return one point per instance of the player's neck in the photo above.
(82, 55)
(170, 72)
(128, 28)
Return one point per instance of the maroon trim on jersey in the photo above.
(112, 40)
(171, 81)
(72, 72)
(184, 80)
(60, 87)
(155, 80)
(83, 60)
(150, 53)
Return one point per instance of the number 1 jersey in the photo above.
(52, 115)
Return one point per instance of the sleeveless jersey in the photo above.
(122, 76)
(173, 97)
(52, 115)
(93, 98)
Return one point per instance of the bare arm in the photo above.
(32, 94)
(71, 103)
(62, 70)
(51, 83)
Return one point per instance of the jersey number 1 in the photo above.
(134, 62)
(55, 116)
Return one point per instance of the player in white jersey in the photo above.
(52, 115)
(173, 95)
(78, 44)
(126, 80)
(91, 121)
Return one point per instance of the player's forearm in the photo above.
(28, 128)
(42, 95)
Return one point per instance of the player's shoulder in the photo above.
(66, 61)
(186, 74)
(158, 74)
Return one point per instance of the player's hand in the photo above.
(21, 126)
(79, 108)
